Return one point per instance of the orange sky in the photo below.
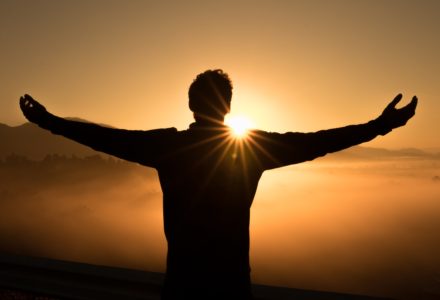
(295, 65)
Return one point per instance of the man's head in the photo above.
(210, 95)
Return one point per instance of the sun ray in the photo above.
(229, 143)
(242, 143)
(251, 139)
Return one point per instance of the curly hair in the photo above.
(210, 93)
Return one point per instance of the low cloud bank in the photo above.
(360, 226)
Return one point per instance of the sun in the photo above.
(240, 125)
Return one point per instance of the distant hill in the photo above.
(31, 141)
(369, 153)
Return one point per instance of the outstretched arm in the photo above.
(138, 146)
(293, 147)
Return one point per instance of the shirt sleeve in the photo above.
(274, 150)
(144, 147)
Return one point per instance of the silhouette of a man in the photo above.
(209, 179)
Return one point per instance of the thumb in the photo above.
(394, 102)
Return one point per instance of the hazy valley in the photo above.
(362, 221)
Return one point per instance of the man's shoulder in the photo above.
(160, 131)
(154, 135)
(258, 133)
(165, 130)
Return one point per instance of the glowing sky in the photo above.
(295, 65)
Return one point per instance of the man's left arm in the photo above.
(294, 147)
(332, 140)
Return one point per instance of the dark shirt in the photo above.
(209, 180)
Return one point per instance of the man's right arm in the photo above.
(143, 147)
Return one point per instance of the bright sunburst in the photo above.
(239, 125)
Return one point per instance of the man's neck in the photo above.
(208, 121)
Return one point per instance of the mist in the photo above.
(366, 227)
(355, 226)
(86, 210)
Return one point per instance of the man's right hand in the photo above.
(32, 110)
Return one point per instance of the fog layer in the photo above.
(368, 227)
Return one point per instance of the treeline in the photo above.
(57, 169)
(14, 160)
(61, 165)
